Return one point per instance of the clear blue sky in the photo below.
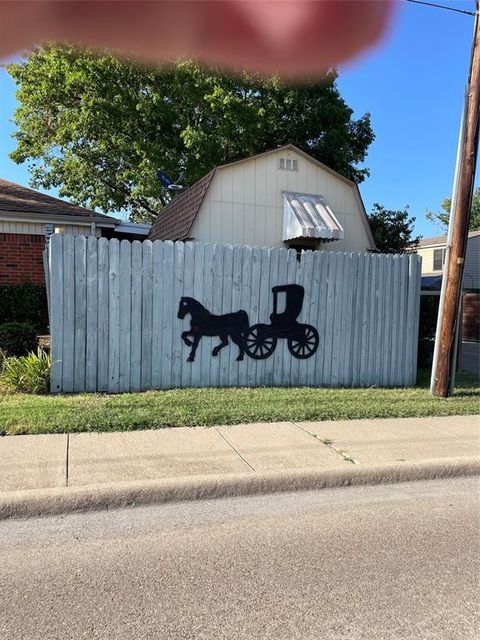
(412, 84)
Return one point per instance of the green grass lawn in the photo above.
(21, 413)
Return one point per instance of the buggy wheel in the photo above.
(259, 342)
(305, 342)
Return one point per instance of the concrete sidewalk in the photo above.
(54, 473)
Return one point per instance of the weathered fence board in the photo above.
(125, 314)
(92, 315)
(54, 276)
(116, 322)
(68, 313)
(80, 275)
(136, 317)
(103, 314)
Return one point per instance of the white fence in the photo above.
(115, 326)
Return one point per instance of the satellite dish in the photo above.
(167, 183)
(164, 179)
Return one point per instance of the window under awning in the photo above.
(309, 216)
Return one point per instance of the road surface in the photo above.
(388, 562)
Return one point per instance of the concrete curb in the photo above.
(44, 502)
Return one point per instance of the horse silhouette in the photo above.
(204, 323)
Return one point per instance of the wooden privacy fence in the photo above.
(116, 316)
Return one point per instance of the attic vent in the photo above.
(48, 230)
(288, 164)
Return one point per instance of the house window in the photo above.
(438, 259)
(288, 164)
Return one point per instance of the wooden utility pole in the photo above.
(443, 370)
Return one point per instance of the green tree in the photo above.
(441, 218)
(98, 128)
(392, 230)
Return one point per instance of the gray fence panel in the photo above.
(92, 315)
(188, 292)
(125, 315)
(177, 293)
(278, 277)
(356, 317)
(115, 326)
(205, 346)
(217, 308)
(414, 315)
(79, 379)
(226, 286)
(114, 317)
(136, 317)
(269, 269)
(157, 309)
(68, 312)
(254, 306)
(147, 315)
(287, 378)
(103, 312)
(55, 278)
(167, 315)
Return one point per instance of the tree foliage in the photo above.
(98, 128)
(441, 218)
(392, 229)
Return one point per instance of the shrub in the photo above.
(24, 303)
(18, 338)
(3, 357)
(28, 374)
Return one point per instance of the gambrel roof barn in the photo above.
(282, 197)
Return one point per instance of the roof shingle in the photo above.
(16, 198)
(175, 220)
(441, 240)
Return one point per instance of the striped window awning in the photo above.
(309, 216)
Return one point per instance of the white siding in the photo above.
(38, 228)
(31, 228)
(427, 259)
(244, 204)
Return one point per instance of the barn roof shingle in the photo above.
(175, 220)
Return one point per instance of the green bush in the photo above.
(18, 338)
(24, 303)
(28, 374)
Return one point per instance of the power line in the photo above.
(441, 6)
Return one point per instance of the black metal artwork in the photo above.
(204, 323)
(260, 340)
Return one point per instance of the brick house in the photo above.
(28, 218)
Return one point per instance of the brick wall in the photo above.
(21, 258)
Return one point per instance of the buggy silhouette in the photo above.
(261, 339)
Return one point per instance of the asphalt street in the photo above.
(386, 562)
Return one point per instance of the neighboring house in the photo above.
(432, 251)
(280, 198)
(28, 217)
